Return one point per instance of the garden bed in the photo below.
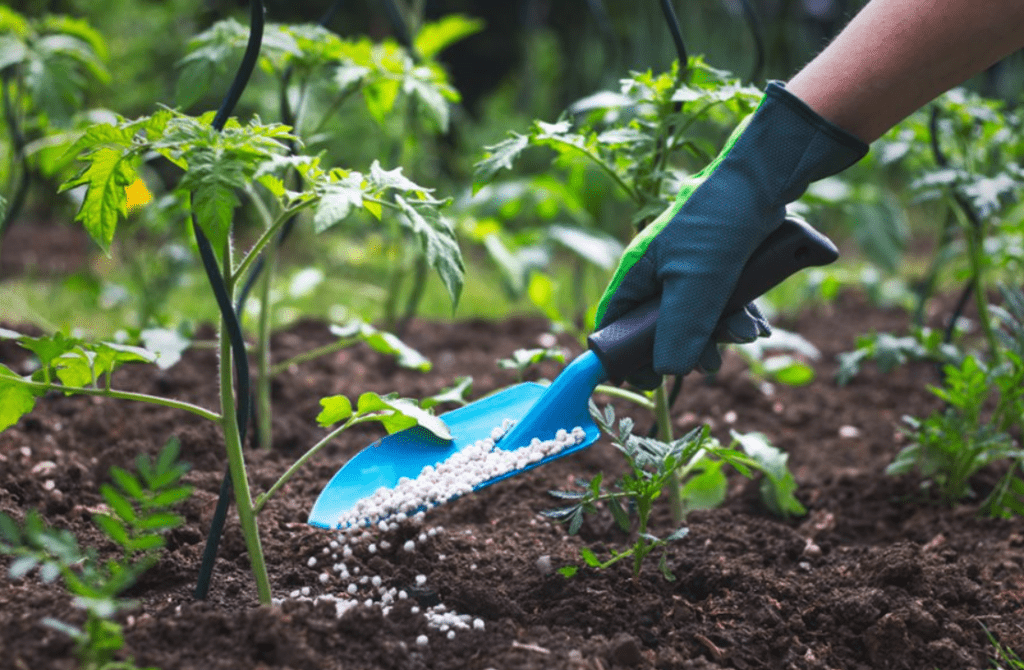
(872, 577)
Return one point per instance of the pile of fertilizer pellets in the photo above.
(370, 528)
(458, 475)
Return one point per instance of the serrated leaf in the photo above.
(436, 237)
(568, 495)
(105, 203)
(778, 487)
(338, 200)
(166, 344)
(500, 155)
(576, 521)
(380, 179)
(678, 534)
(431, 94)
(74, 369)
(336, 408)
(212, 179)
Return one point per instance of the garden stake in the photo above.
(240, 359)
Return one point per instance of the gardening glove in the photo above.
(694, 252)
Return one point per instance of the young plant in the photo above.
(316, 72)
(215, 166)
(642, 140)
(695, 461)
(140, 515)
(949, 446)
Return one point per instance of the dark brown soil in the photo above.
(872, 577)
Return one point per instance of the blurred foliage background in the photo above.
(531, 59)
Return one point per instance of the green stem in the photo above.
(262, 499)
(263, 377)
(267, 236)
(236, 460)
(630, 191)
(664, 419)
(635, 398)
(312, 354)
(975, 241)
(121, 395)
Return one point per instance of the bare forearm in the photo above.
(896, 55)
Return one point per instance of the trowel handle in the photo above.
(627, 345)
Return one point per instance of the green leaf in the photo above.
(212, 178)
(12, 51)
(16, 400)
(335, 408)
(436, 236)
(114, 529)
(707, 489)
(590, 558)
(380, 179)
(144, 543)
(456, 393)
(159, 521)
(171, 496)
(118, 503)
(500, 155)
(602, 250)
(383, 342)
(434, 37)
(75, 368)
(401, 413)
(128, 482)
(380, 98)
(337, 201)
(619, 514)
(778, 487)
(568, 571)
(166, 344)
(788, 370)
(106, 202)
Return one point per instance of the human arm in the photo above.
(896, 55)
(892, 58)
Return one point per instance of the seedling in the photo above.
(140, 515)
(216, 165)
(694, 460)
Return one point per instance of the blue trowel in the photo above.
(615, 352)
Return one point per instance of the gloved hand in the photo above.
(694, 251)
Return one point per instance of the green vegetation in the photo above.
(140, 514)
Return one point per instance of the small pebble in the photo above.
(422, 641)
(311, 562)
(421, 580)
(353, 589)
(451, 635)
(478, 624)
(409, 546)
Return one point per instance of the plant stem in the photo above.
(635, 398)
(310, 355)
(263, 376)
(664, 419)
(265, 239)
(123, 395)
(236, 459)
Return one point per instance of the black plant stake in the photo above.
(227, 310)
